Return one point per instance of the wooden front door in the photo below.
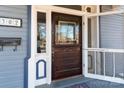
(66, 45)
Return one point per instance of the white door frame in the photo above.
(32, 82)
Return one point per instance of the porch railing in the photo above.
(106, 62)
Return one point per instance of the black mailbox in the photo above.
(5, 41)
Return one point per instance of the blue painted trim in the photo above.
(28, 47)
(37, 70)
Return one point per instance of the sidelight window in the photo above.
(41, 32)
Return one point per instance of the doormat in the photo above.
(82, 85)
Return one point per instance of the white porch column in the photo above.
(85, 45)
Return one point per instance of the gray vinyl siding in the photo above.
(112, 36)
(112, 31)
(12, 63)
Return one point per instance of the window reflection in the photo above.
(67, 33)
(41, 32)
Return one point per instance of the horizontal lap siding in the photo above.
(12, 63)
(112, 31)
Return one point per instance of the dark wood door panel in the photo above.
(65, 73)
(66, 58)
(63, 67)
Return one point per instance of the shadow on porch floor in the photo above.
(81, 82)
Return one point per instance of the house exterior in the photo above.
(43, 43)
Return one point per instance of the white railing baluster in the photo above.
(113, 64)
(95, 61)
(104, 62)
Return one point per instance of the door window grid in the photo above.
(67, 33)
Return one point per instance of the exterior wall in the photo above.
(12, 63)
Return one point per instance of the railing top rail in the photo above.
(105, 50)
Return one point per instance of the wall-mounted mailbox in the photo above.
(5, 41)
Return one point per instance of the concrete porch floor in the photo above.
(92, 83)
